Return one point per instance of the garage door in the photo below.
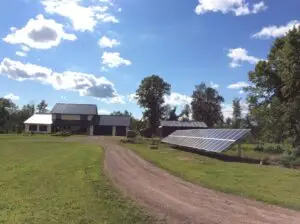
(103, 130)
(120, 131)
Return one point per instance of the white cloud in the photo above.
(83, 18)
(25, 48)
(106, 42)
(227, 109)
(39, 33)
(21, 54)
(214, 85)
(84, 84)
(177, 99)
(238, 85)
(238, 7)
(114, 60)
(276, 31)
(103, 112)
(241, 92)
(63, 97)
(131, 98)
(12, 97)
(118, 99)
(239, 55)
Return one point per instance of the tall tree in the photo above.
(42, 107)
(150, 96)
(237, 113)
(206, 105)
(185, 113)
(275, 93)
(172, 116)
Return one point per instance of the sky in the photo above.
(98, 51)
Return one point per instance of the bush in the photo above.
(259, 148)
(296, 163)
(131, 134)
(275, 150)
(287, 160)
(62, 133)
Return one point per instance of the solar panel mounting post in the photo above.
(239, 150)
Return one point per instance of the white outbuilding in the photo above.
(39, 123)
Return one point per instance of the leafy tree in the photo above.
(150, 96)
(206, 105)
(172, 116)
(185, 113)
(119, 113)
(5, 106)
(42, 107)
(237, 113)
(274, 97)
(228, 122)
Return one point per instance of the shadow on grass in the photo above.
(219, 156)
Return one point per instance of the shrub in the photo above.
(131, 134)
(259, 148)
(296, 163)
(296, 152)
(287, 160)
(276, 150)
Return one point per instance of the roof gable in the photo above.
(84, 109)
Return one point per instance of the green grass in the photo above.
(274, 185)
(46, 180)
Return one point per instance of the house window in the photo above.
(83, 117)
(32, 127)
(58, 116)
(43, 127)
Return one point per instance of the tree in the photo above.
(42, 107)
(172, 116)
(150, 96)
(237, 113)
(274, 95)
(119, 113)
(228, 122)
(206, 105)
(185, 113)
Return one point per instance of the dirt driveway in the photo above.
(178, 201)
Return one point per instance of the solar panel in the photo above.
(213, 140)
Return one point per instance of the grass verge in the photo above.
(50, 181)
(273, 185)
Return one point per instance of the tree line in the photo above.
(12, 117)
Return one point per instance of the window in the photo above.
(43, 127)
(32, 127)
(58, 116)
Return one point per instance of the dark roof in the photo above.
(110, 120)
(84, 109)
(188, 124)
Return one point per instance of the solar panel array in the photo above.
(213, 140)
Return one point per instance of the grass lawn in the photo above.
(46, 180)
(265, 183)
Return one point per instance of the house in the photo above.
(78, 119)
(39, 123)
(168, 127)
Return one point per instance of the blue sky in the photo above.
(98, 51)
